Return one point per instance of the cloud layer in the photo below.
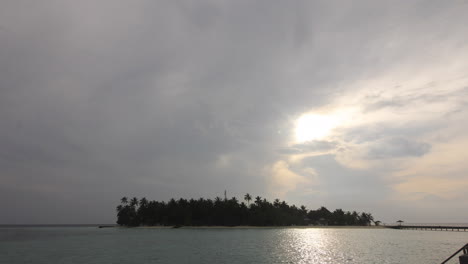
(175, 99)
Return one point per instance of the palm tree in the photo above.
(143, 211)
(143, 202)
(258, 200)
(234, 200)
(248, 198)
(366, 219)
(355, 217)
(276, 203)
(124, 200)
(134, 202)
(370, 218)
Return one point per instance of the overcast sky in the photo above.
(358, 105)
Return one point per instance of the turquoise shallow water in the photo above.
(114, 245)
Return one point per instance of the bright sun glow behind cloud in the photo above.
(313, 126)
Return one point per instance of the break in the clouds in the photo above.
(359, 105)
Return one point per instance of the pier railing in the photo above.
(434, 228)
(464, 249)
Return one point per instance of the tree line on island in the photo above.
(231, 212)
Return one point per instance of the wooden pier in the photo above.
(431, 228)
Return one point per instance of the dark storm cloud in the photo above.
(128, 96)
(166, 99)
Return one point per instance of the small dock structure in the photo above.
(431, 227)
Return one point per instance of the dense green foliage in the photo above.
(229, 212)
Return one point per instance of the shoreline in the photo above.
(258, 227)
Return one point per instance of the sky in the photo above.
(358, 105)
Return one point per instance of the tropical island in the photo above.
(230, 212)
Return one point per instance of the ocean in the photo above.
(46, 245)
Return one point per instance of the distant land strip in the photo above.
(230, 212)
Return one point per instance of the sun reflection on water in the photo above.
(311, 246)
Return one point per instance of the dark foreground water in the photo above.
(114, 245)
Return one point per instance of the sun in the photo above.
(314, 126)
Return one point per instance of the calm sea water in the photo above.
(114, 245)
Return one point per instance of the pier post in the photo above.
(463, 259)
